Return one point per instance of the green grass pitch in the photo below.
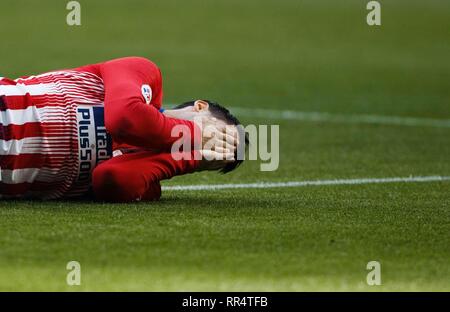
(310, 55)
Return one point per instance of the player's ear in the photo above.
(200, 105)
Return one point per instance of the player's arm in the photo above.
(136, 176)
(133, 95)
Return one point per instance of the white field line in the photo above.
(263, 185)
(340, 118)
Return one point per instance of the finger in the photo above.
(208, 155)
(234, 133)
(231, 130)
(220, 149)
(229, 157)
(231, 139)
(213, 156)
(220, 157)
(226, 138)
(221, 143)
(217, 156)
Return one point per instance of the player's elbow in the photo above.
(112, 183)
(118, 125)
(107, 184)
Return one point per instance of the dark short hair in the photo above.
(224, 114)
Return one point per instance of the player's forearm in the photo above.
(130, 121)
(136, 176)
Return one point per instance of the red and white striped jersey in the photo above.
(52, 134)
(56, 128)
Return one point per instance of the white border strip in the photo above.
(339, 118)
(263, 185)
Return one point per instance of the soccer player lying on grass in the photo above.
(60, 130)
(134, 174)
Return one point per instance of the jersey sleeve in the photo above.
(137, 176)
(133, 96)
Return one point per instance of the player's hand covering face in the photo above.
(219, 143)
(216, 135)
(218, 140)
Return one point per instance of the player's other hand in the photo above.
(214, 160)
(217, 136)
